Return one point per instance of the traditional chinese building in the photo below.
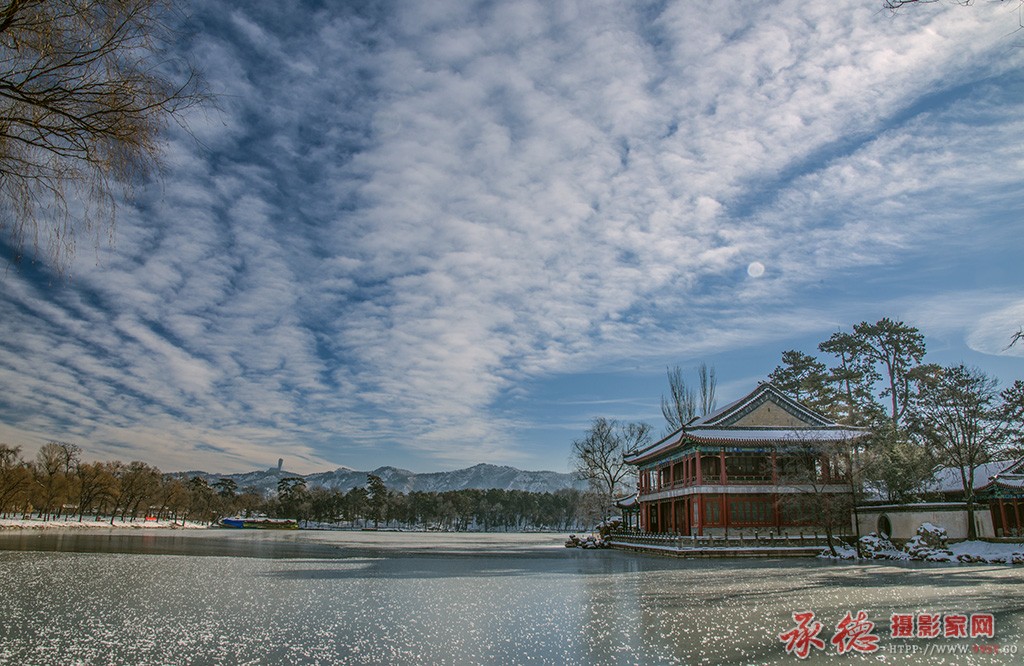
(739, 468)
(1005, 495)
(999, 487)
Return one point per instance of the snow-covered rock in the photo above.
(878, 547)
(606, 527)
(586, 542)
(930, 544)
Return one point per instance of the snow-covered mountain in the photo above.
(482, 476)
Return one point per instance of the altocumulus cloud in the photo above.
(402, 213)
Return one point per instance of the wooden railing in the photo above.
(626, 537)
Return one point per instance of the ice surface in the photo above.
(389, 598)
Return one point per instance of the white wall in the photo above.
(905, 519)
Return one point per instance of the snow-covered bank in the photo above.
(965, 552)
(91, 523)
(930, 545)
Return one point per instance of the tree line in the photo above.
(58, 485)
(375, 505)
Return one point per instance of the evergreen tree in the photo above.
(377, 498)
(895, 350)
(805, 379)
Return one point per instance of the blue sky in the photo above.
(435, 234)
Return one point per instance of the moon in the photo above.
(755, 269)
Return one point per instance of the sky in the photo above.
(433, 234)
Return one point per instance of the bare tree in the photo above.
(963, 416)
(174, 498)
(87, 88)
(681, 405)
(708, 385)
(896, 5)
(598, 456)
(1013, 413)
(52, 470)
(139, 484)
(96, 485)
(822, 474)
(15, 478)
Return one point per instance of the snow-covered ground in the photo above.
(89, 522)
(964, 552)
(993, 553)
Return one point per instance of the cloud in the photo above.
(989, 334)
(986, 320)
(397, 218)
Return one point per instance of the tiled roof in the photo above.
(765, 391)
(717, 429)
(1001, 472)
(783, 435)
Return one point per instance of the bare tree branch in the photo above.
(86, 92)
(598, 456)
(681, 405)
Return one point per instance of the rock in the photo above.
(930, 544)
(934, 536)
(588, 542)
(875, 546)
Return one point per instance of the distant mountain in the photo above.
(482, 477)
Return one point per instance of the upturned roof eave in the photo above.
(685, 438)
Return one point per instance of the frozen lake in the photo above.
(251, 597)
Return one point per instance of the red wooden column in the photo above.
(1002, 518)
(775, 470)
(672, 514)
(724, 479)
(700, 478)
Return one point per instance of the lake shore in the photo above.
(965, 552)
(91, 522)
